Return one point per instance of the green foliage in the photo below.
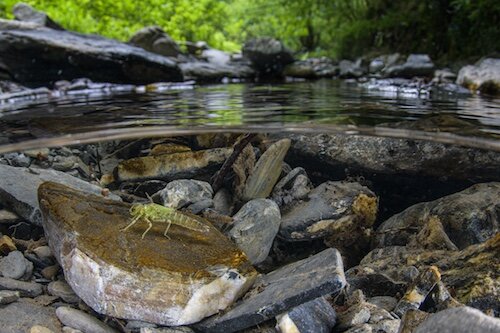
(338, 28)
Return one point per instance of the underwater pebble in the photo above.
(387, 303)
(63, 290)
(81, 321)
(40, 329)
(16, 266)
(183, 192)
(254, 228)
(294, 186)
(316, 316)
(180, 329)
(223, 201)
(6, 245)
(459, 320)
(50, 272)
(43, 252)
(8, 296)
(21, 316)
(67, 329)
(27, 289)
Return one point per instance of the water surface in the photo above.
(319, 106)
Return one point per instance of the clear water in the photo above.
(320, 106)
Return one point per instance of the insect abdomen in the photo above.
(187, 222)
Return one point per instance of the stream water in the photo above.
(320, 106)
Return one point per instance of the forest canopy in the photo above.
(336, 28)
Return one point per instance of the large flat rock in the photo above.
(41, 55)
(175, 280)
(281, 290)
(18, 189)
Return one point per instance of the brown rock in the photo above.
(172, 166)
(169, 281)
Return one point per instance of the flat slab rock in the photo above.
(64, 55)
(459, 320)
(168, 281)
(281, 290)
(18, 189)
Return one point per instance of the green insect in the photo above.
(152, 212)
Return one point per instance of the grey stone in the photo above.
(18, 189)
(280, 290)
(355, 315)
(387, 303)
(26, 13)
(82, 321)
(135, 325)
(63, 290)
(328, 205)
(459, 320)
(312, 68)
(67, 329)
(350, 69)
(180, 329)
(212, 72)
(9, 296)
(154, 39)
(364, 328)
(387, 326)
(483, 76)
(16, 266)
(314, 316)
(149, 187)
(415, 65)
(20, 316)
(71, 55)
(223, 202)
(254, 228)
(467, 217)
(183, 192)
(268, 55)
(200, 206)
(294, 186)
(40, 329)
(43, 252)
(27, 289)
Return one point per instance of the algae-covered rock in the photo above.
(467, 217)
(471, 273)
(172, 166)
(326, 208)
(172, 280)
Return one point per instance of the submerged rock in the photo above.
(266, 171)
(20, 316)
(26, 289)
(172, 280)
(471, 272)
(327, 207)
(316, 316)
(459, 320)
(82, 321)
(281, 290)
(184, 192)
(454, 221)
(16, 266)
(483, 76)
(168, 167)
(294, 186)
(18, 189)
(64, 55)
(254, 228)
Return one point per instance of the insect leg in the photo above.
(134, 221)
(150, 225)
(168, 227)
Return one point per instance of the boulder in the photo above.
(40, 55)
(483, 76)
(268, 56)
(26, 13)
(154, 39)
(312, 68)
(172, 280)
(454, 221)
